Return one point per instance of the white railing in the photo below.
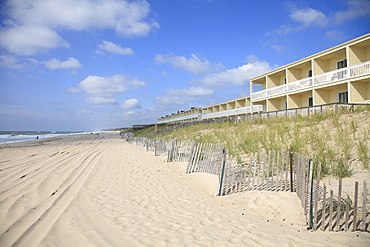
(179, 118)
(210, 115)
(227, 113)
(233, 112)
(243, 110)
(327, 78)
(257, 108)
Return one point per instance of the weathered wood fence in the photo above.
(337, 210)
(272, 171)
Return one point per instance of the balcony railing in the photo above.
(179, 118)
(257, 108)
(327, 78)
(227, 113)
(233, 112)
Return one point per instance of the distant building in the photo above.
(340, 74)
(192, 115)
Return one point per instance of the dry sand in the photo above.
(97, 190)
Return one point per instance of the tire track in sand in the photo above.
(18, 183)
(31, 228)
(32, 160)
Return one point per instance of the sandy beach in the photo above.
(97, 190)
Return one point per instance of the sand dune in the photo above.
(97, 190)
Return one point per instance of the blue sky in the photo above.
(97, 64)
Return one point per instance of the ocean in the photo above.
(21, 136)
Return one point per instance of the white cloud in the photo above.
(68, 64)
(227, 78)
(334, 35)
(82, 112)
(164, 73)
(101, 90)
(282, 30)
(193, 64)
(117, 49)
(183, 96)
(131, 104)
(18, 63)
(309, 17)
(192, 91)
(356, 9)
(10, 62)
(278, 48)
(30, 39)
(108, 100)
(171, 100)
(33, 26)
(235, 77)
(11, 75)
(305, 18)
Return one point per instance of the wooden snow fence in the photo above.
(180, 151)
(206, 157)
(342, 209)
(158, 145)
(270, 171)
(326, 208)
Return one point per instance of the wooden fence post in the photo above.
(317, 195)
(347, 216)
(155, 146)
(269, 183)
(354, 227)
(323, 209)
(221, 185)
(291, 170)
(339, 204)
(331, 210)
(310, 191)
(364, 208)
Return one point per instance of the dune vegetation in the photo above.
(339, 140)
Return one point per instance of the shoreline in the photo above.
(98, 190)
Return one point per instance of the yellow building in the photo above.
(233, 108)
(337, 75)
(192, 115)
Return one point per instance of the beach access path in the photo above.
(97, 190)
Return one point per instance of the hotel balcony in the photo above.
(315, 81)
(233, 112)
(177, 119)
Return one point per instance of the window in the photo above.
(285, 80)
(342, 64)
(310, 101)
(309, 73)
(343, 97)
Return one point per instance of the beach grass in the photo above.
(335, 139)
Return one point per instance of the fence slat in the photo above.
(331, 210)
(323, 209)
(317, 195)
(355, 208)
(363, 227)
(286, 170)
(347, 216)
(269, 184)
(339, 204)
(310, 191)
